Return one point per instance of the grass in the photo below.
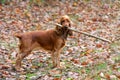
(4, 44)
(69, 79)
(116, 58)
(87, 70)
(57, 75)
(39, 64)
(29, 75)
(2, 1)
(97, 77)
(101, 66)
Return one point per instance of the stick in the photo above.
(90, 35)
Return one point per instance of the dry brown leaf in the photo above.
(74, 4)
(54, 72)
(69, 50)
(89, 51)
(81, 19)
(98, 45)
(88, 78)
(0, 7)
(17, 10)
(5, 66)
(107, 76)
(117, 74)
(84, 63)
(94, 19)
(76, 61)
(83, 71)
(57, 79)
(34, 67)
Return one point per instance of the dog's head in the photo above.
(64, 29)
(65, 21)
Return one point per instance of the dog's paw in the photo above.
(18, 69)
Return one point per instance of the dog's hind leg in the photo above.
(21, 55)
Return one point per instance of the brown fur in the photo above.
(51, 40)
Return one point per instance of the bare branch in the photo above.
(90, 35)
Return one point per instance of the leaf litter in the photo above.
(83, 58)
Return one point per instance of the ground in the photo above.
(83, 57)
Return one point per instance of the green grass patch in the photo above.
(39, 64)
(68, 64)
(29, 75)
(101, 66)
(83, 53)
(69, 79)
(118, 69)
(5, 44)
(97, 77)
(37, 2)
(73, 16)
(86, 0)
(116, 58)
(2, 1)
(13, 45)
(57, 75)
(77, 70)
(88, 70)
(36, 63)
(98, 50)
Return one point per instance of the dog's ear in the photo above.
(58, 30)
(70, 32)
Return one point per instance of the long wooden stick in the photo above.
(90, 35)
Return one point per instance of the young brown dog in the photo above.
(51, 40)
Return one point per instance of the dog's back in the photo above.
(48, 40)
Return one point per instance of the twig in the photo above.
(90, 35)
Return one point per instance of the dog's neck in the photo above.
(63, 34)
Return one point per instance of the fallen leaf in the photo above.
(54, 72)
(75, 4)
(76, 61)
(117, 74)
(89, 51)
(84, 63)
(17, 10)
(57, 79)
(107, 76)
(5, 66)
(98, 45)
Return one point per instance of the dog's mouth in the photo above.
(65, 26)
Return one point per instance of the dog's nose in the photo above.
(66, 24)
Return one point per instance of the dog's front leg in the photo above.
(56, 59)
(53, 58)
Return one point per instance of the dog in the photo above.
(52, 40)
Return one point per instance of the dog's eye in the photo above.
(62, 21)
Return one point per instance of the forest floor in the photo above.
(83, 57)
